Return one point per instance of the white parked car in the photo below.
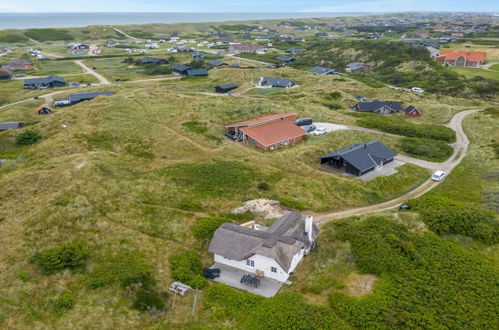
(417, 90)
(319, 131)
(438, 176)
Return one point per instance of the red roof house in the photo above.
(461, 58)
(269, 132)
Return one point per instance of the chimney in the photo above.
(309, 227)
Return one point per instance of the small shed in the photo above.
(412, 111)
(44, 109)
(225, 88)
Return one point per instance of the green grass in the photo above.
(494, 67)
(476, 72)
(48, 34)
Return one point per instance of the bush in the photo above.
(70, 255)
(263, 186)
(48, 34)
(28, 137)
(425, 282)
(153, 69)
(186, 268)
(205, 227)
(284, 311)
(124, 269)
(446, 216)
(64, 301)
(148, 300)
(292, 203)
(429, 149)
(402, 127)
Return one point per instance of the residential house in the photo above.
(321, 70)
(461, 58)
(47, 82)
(216, 63)
(380, 107)
(77, 98)
(268, 82)
(245, 48)
(5, 72)
(197, 72)
(358, 68)
(225, 88)
(434, 52)
(412, 111)
(151, 60)
(76, 45)
(5, 49)
(180, 69)
(197, 55)
(359, 159)
(10, 125)
(270, 252)
(44, 109)
(20, 65)
(294, 50)
(321, 34)
(111, 43)
(285, 59)
(269, 132)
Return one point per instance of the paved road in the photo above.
(88, 70)
(460, 148)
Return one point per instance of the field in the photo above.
(122, 181)
(474, 72)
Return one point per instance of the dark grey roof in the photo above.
(152, 60)
(86, 96)
(45, 80)
(410, 108)
(363, 156)
(180, 67)
(216, 63)
(227, 86)
(372, 106)
(294, 50)
(281, 241)
(278, 82)
(320, 70)
(10, 125)
(197, 72)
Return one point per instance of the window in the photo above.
(250, 263)
(273, 269)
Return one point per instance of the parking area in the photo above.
(232, 277)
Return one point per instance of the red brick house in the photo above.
(269, 132)
(461, 58)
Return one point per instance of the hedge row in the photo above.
(429, 149)
(402, 127)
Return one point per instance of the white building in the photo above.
(272, 252)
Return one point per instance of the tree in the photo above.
(28, 137)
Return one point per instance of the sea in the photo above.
(47, 20)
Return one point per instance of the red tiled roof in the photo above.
(43, 106)
(274, 132)
(260, 120)
(452, 55)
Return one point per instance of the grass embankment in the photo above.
(128, 176)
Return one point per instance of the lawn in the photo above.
(115, 68)
(474, 72)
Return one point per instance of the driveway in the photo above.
(88, 70)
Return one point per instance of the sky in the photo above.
(331, 6)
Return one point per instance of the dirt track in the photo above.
(460, 148)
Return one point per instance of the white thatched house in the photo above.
(271, 252)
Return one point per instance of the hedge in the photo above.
(447, 216)
(70, 255)
(402, 127)
(429, 149)
(186, 267)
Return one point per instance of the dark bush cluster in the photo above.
(186, 267)
(446, 216)
(205, 227)
(429, 149)
(70, 255)
(402, 127)
(28, 137)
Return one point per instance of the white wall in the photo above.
(261, 263)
